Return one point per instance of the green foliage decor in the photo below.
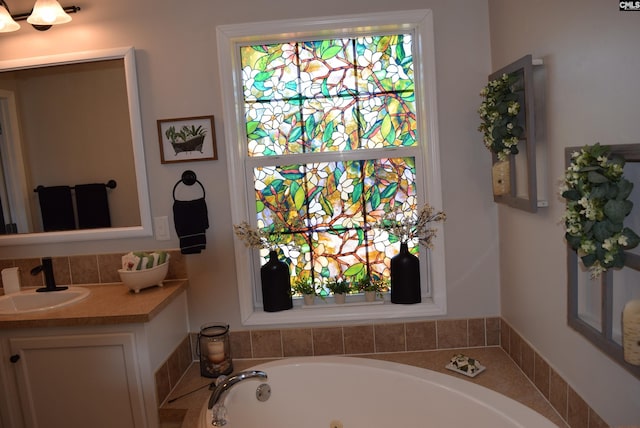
(596, 193)
(304, 285)
(499, 113)
(339, 286)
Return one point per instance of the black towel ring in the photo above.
(189, 178)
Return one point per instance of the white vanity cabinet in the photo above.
(78, 380)
(88, 376)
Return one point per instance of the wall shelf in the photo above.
(601, 331)
(521, 184)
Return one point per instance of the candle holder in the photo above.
(214, 350)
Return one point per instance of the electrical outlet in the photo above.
(161, 228)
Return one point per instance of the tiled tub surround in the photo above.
(369, 339)
(426, 344)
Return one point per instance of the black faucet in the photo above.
(49, 280)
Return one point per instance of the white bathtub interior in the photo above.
(347, 392)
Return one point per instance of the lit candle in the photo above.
(215, 351)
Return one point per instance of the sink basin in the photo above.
(32, 301)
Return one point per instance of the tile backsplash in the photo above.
(86, 269)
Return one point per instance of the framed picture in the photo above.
(187, 139)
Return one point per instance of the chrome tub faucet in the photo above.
(223, 386)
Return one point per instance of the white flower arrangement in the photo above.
(597, 204)
(275, 236)
(412, 226)
(499, 113)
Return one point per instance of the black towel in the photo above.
(191, 219)
(56, 208)
(92, 205)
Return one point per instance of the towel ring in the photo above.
(188, 178)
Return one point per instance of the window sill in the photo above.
(329, 312)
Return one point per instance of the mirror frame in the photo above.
(135, 120)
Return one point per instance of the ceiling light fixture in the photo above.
(45, 14)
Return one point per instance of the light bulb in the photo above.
(7, 24)
(48, 12)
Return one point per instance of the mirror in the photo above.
(68, 120)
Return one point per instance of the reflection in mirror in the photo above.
(70, 120)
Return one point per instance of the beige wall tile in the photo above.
(515, 350)
(595, 421)
(389, 337)
(527, 363)
(84, 269)
(558, 393)
(452, 333)
(61, 270)
(163, 386)
(26, 279)
(577, 411)
(541, 374)
(266, 343)
(297, 342)
(359, 339)
(421, 335)
(175, 368)
(328, 341)
(177, 265)
(493, 331)
(476, 330)
(240, 344)
(108, 265)
(505, 335)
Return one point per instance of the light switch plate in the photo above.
(161, 228)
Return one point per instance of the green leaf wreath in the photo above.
(499, 113)
(596, 193)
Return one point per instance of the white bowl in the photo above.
(136, 280)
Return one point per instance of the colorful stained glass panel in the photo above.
(330, 125)
(385, 63)
(269, 72)
(273, 128)
(326, 68)
(388, 121)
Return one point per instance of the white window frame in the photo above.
(242, 202)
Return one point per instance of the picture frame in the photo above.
(187, 139)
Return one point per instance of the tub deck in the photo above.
(502, 375)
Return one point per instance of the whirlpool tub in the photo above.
(347, 392)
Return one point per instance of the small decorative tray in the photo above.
(465, 365)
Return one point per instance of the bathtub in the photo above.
(348, 392)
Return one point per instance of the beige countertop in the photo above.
(501, 375)
(106, 304)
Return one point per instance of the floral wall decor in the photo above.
(499, 113)
(597, 204)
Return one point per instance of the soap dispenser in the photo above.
(11, 280)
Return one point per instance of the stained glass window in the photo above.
(331, 134)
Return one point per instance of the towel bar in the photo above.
(111, 184)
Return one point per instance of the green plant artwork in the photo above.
(186, 133)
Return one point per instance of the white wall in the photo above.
(592, 59)
(178, 77)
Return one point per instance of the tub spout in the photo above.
(219, 392)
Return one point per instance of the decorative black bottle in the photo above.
(276, 285)
(405, 277)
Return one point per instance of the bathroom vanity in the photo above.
(92, 363)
